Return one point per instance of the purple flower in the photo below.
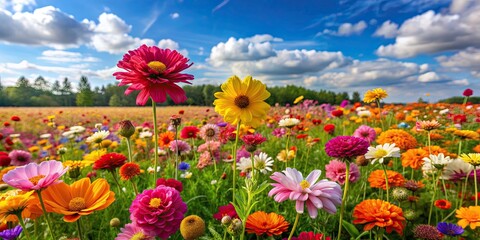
(179, 146)
(344, 103)
(335, 171)
(316, 195)
(346, 147)
(20, 157)
(12, 233)
(365, 132)
(450, 229)
(279, 132)
(158, 212)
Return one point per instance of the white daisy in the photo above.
(263, 162)
(288, 122)
(380, 152)
(145, 135)
(77, 129)
(98, 137)
(245, 165)
(69, 134)
(435, 161)
(45, 136)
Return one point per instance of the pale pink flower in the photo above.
(35, 176)
(317, 195)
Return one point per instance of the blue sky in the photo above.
(411, 48)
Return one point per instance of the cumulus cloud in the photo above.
(460, 82)
(17, 5)
(467, 59)
(428, 77)
(169, 43)
(387, 30)
(175, 15)
(346, 29)
(66, 56)
(433, 32)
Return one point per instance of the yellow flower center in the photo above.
(304, 184)
(138, 236)
(76, 204)
(242, 101)
(155, 202)
(380, 153)
(157, 66)
(36, 179)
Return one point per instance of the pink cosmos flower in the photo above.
(20, 157)
(132, 231)
(335, 171)
(155, 72)
(158, 212)
(35, 176)
(366, 133)
(291, 185)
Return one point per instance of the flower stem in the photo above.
(475, 184)
(286, 148)
(129, 148)
(116, 181)
(134, 187)
(433, 197)
(79, 228)
(380, 113)
(294, 226)
(176, 152)
(155, 136)
(429, 143)
(22, 223)
(39, 193)
(386, 180)
(344, 198)
(234, 154)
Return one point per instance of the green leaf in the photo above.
(351, 229)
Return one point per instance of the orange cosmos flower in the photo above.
(80, 198)
(376, 212)
(266, 223)
(443, 204)
(377, 179)
(414, 158)
(469, 216)
(165, 138)
(402, 139)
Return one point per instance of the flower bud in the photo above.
(175, 120)
(126, 129)
(226, 220)
(410, 214)
(115, 222)
(400, 194)
(192, 227)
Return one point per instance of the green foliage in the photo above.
(459, 100)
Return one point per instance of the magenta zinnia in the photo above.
(158, 212)
(346, 147)
(35, 176)
(317, 195)
(155, 72)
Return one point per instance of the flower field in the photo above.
(240, 169)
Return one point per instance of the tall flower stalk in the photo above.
(155, 139)
(344, 198)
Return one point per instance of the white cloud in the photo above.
(241, 49)
(460, 82)
(467, 59)
(17, 5)
(428, 77)
(175, 15)
(387, 30)
(65, 56)
(169, 43)
(433, 32)
(347, 29)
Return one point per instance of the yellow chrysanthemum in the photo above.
(242, 101)
(374, 95)
(467, 134)
(12, 203)
(472, 158)
(77, 163)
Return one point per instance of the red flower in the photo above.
(253, 139)
(227, 210)
(4, 159)
(6, 124)
(337, 113)
(15, 118)
(459, 118)
(302, 136)
(9, 141)
(316, 121)
(181, 112)
(443, 204)
(329, 128)
(170, 183)
(189, 132)
(311, 236)
(110, 161)
(468, 92)
(1, 136)
(155, 72)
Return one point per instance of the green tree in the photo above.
(356, 97)
(40, 84)
(66, 91)
(85, 93)
(56, 88)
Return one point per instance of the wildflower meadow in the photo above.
(240, 169)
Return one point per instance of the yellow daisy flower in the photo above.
(242, 101)
(472, 158)
(374, 95)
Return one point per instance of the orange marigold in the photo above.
(435, 136)
(469, 216)
(435, 150)
(165, 138)
(414, 158)
(266, 223)
(402, 139)
(376, 212)
(377, 179)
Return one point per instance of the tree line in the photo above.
(61, 93)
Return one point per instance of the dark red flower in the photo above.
(9, 141)
(226, 210)
(459, 118)
(170, 183)
(4, 159)
(1, 136)
(329, 128)
(302, 136)
(110, 161)
(253, 139)
(337, 113)
(15, 118)
(189, 132)
(181, 112)
(317, 121)
(6, 124)
(468, 92)
(310, 236)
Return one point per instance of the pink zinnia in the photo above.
(20, 157)
(158, 212)
(335, 171)
(346, 147)
(132, 231)
(291, 185)
(35, 176)
(366, 133)
(209, 132)
(155, 72)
